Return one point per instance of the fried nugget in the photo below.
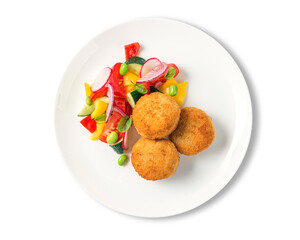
(156, 115)
(195, 131)
(154, 159)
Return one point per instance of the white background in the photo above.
(39, 199)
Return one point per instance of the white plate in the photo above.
(215, 84)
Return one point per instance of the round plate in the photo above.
(215, 85)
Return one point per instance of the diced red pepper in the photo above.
(131, 50)
(147, 85)
(174, 66)
(100, 93)
(89, 124)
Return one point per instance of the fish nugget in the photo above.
(195, 131)
(156, 115)
(154, 159)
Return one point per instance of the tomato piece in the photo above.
(110, 126)
(116, 81)
(100, 93)
(123, 105)
(128, 109)
(89, 124)
(131, 50)
(174, 66)
(120, 103)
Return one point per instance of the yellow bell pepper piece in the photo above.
(88, 90)
(129, 81)
(179, 98)
(100, 108)
(130, 88)
(130, 78)
(167, 84)
(95, 135)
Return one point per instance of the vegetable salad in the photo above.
(111, 97)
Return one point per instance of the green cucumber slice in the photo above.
(153, 89)
(135, 68)
(133, 97)
(86, 110)
(137, 60)
(118, 148)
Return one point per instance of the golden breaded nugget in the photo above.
(154, 159)
(156, 115)
(195, 131)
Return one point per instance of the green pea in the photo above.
(88, 101)
(122, 159)
(173, 90)
(112, 138)
(123, 69)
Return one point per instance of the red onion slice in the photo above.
(158, 83)
(118, 110)
(110, 94)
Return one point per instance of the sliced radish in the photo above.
(102, 79)
(148, 66)
(124, 142)
(155, 73)
(118, 110)
(110, 94)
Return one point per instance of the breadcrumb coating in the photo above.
(154, 159)
(195, 131)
